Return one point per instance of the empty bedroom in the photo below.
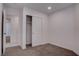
(39, 29)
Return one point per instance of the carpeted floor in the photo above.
(42, 50)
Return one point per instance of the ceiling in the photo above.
(41, 7)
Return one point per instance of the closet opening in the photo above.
(28, 31)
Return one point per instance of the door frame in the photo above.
(3, 33)
(1, 8)
(2, 27)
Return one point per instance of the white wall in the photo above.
(64, 28)
(76, 29)
(0, 25)
(21, 25)
(61, 28)
(33, 13)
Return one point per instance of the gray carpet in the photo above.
(42, 50)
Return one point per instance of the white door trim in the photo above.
(0, 26)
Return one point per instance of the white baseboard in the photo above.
(38, 44)
(11, 45)
(75, 51)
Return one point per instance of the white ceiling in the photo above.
(41, 7)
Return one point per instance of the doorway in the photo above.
(6, 32)
(28, 31)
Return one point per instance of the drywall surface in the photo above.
(61, 28)
(64, 28)
(76, 29)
